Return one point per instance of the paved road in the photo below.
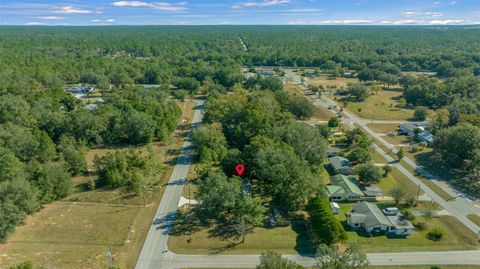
(472, 257)
(459, 208)
(155, 247)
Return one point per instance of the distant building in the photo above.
(371, 219)
(80, 89)
(408, 128)
(425, 137)
(341, 165)
(267, 72)
(91, 107)
(342, 188)
(373, 192)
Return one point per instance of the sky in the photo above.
(239, 12)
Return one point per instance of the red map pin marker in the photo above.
(240, 168)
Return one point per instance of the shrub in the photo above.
(324, 224)
(436, 234)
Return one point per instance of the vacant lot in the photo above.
(78, 231)
(285, 240)
(328, 81)
(381, 106)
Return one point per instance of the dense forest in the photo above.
(45, 131)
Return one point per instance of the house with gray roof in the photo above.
(343, 188)
(341, 165)
(370, 218)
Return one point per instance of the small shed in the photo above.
(335, 208)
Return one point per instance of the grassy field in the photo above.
(285, 240)
(327, 81)
(457, 237)
(77, 231)
(475, 219)
(381, 106)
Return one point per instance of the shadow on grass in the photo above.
(188, 222)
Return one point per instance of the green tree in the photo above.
(333, 122)
(369, 174)
(397, 193)
(301, 107)
(248, 213)
(420, 113)
(10, 167)
(330, 257)
(210, 143)
(358, 92)
(286, 177)
(52, 181)
(273, 260)
(73, 153)
(324, 224)
(307, 142)
(325, 131)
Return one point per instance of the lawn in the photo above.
(82, 227)
(475, 219)
(285, 240)
(381, 106)
(383, 128)
(457, 237)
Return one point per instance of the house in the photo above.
(370, 218)
(335, 208)
(425, 137)
(373, 192)
(341, 165)
(266, 72)
(342, 188)
(91, 107)
(408, 128)
(80, 89)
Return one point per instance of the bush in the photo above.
(420, 113)
(333, 122)
(420, 226)
(436, 234)
(408, 215)
(324, 224)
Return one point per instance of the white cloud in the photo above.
(306, 10)
(335, 22)
(443, 22)
(408, 22)
(453, 3)
(436, 3)
(266, 3)
(102, 21)
(72, 10)
(412, 14)
(50, 18)
(35, 23)
(157, 5)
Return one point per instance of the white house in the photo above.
(369, 217)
